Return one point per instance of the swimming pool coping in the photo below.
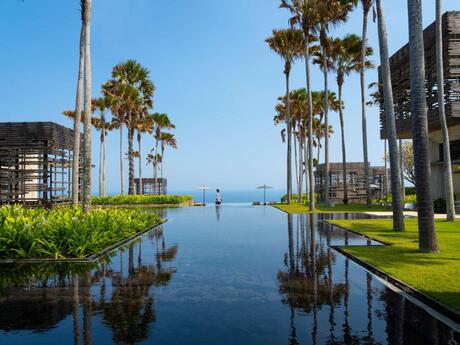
(90, 258)
(411, 291)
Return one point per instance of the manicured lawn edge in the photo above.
(429, 301)
(88, 258)
(320, 209)
(432, 303)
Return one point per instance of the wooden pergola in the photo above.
(35, 163)
(399, 64)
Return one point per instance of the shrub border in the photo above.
(89, 258)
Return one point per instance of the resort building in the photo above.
(35, 163)
(153, 186)
(399, 64)
(356, 185)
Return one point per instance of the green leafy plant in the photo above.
(141, 199)
(66, 232)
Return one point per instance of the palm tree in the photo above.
(102, 104)
(167, 139)
(86, 12)
(397, 199)
(289, 45)
(77, 120)
(160, 121)
(305, 15)
(143, 125)
(132, 89)
(448, 186)
(346, 59)
(332, 12)
(428, 242)
(366, 4)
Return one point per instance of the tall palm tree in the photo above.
(305, 15)
(448, 186)
(288, 44)
(397, 199)
(366, 4)
(86, 10)
(428, 242)
(160, 121)
(143, 125)
(167, 139)
(102, 104)
(346, 57)
(132, 89)
(77, 120)
(332, 12)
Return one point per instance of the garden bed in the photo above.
(67, 233)
(143, 200)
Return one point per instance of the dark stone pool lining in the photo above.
(90, 258)
(425, 299)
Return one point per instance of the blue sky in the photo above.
(213, 72)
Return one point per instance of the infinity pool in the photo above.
(232, 275)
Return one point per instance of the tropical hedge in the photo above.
(141, 199)
(66, 232)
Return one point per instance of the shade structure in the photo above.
(204, 188)
(264, 187)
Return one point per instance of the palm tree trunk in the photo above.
(427, 234)
(300, 169)
(122, 182)
(162, 156)
(130, 160)
(100, 164)
(398, 215)
(289, 138)
(77, 122)
(141, 190)
(296, 165)
(155, 162)
(87, 117)
(344, 151)
(448, 185)
(401, 171)
(363, 110)
(104, 169)
(305, 154)
(327, 181)
(385, 183)
(311, 197)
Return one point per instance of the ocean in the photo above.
(233, 196)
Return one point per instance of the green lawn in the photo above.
(339, 208)
(436, 275)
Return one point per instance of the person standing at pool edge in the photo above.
(218, 197)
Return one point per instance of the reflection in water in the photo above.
(264, 278)
(38, 297)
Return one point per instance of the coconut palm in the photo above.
(448, 186)
(86, 13)
(78, 109)
(289, 45)
(331, 12)
(388, 106)
(345, 60)
(160, 122)
(305, 15)
(427, 234)
(166, 139)
(366, 4)
(143, 125)
(102, 104)
(132, 89)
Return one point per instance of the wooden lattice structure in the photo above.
(399, 64)
(356, 184)
(152, 186)
(35, 163)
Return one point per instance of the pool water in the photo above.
(236, 274)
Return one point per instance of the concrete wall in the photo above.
(437, 167)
